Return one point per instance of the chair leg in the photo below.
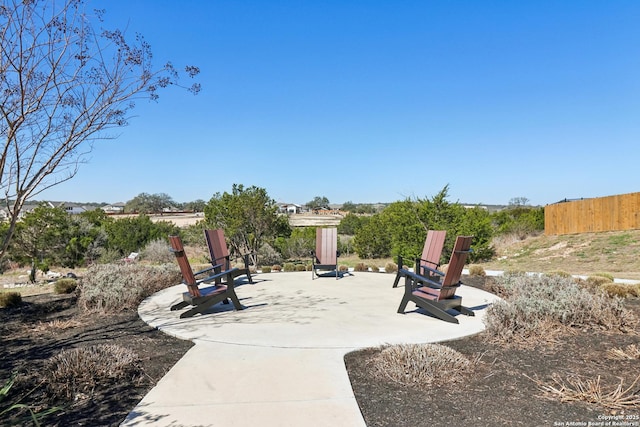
(465, 311)
(395, 282)
(179, 306)
(403, 304)
(435, 310)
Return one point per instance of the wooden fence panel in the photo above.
(612, 213)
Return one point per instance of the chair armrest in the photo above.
(433, 271)
(206, 270)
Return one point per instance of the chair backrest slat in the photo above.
(432, 250)
(457, 261)
(327, 245)
(217, 246)
(185, 267)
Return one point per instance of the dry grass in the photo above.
(74, 373)
(575, 389)
(630, 352)
(420, 364)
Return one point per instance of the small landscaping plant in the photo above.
(110, 288)
(391, 267)
(65, 286)
(476, 270)
(10, 299)
(420, 365)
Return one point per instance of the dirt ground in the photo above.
(500, 391)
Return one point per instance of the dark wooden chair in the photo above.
(202, 298)
(325, 256)
(219, 254)
(430, 257)
(436, 297)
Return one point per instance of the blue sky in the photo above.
(376, 101)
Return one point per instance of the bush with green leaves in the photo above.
(10, 299)
(65, 285)
(537, 304)
(132, 234)
(109, 288)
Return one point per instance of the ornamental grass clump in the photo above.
(10, 299)
(391, 267)
(420, 365)
(75, 372)
(65, 286)
(536, 306)
(111, 288)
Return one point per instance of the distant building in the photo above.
(289, 208)
(115, 208)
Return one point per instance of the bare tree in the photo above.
(63, 85)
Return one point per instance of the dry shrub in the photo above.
(536, 305)
(575, 389)
(391, 267)
(361, 266)
(477, 270)
(374, 268)
(630, 352)
(605, 275)
(157, 251)
(65, 286)
(265, 269)
(276, 267)
(420, 365)
(301, 267)
(288, 266)
(343, 268)
(10, 299)
(559, 273)
(597, 281)
(620, 290)
(74, 373)
(110, 288)
(58, 325)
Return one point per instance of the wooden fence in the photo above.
(612, 213)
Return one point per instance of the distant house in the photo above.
(73, 208)
(290, 208)
(115, 208)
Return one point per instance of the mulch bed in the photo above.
(500, 391)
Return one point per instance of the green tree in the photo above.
(373, 240)
(132, 234)
(248, 216)
(63, 86)
(350, 224)
(195, 206)
(41, 237)
(318, 203)
(145, 203)
(349, 207)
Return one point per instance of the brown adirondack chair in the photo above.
(438, 297)
(430, 258)
(202, 298)
(219, 254)
(325, 257)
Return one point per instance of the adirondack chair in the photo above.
(325, 257)
(219, 254)
(202, 298)
(438, 297)
(430, 258)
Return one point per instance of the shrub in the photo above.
(559, 273)
(619, 290)
(536, 306)
(606, 275)
(268, 255)
(374, 268)
(65, 286)
(266, 269)
(420, 364)
(594, 282)
(476, 270)
(10, 299)
(75, 373)
(301, 267)
(361, 267)
(276, 267)
(391, 267)
(157, 251)
(288, 266)
(112, 288)
(343, 268)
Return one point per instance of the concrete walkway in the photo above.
(280, 362)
